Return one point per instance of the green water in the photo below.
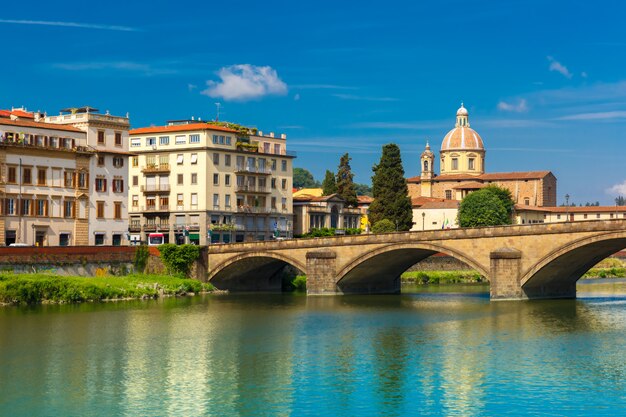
(437, 351)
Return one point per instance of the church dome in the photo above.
(462, 137)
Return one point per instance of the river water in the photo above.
(443, 351)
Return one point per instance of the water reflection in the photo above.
(413, 354)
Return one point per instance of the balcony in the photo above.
(155, 188)
(252, 189)
(134, 227)
(255, 210)
(149, 227)
(242, 169)
(155, 169)
(350, 210)
(318, 209)
(154, 209)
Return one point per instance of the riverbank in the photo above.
(49, 288)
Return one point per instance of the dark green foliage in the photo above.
(442, 277)
(384, 226)
(619, 201)
(179, 258)
(302, 178)
(345, 183)
(390, 192)
(141, 258)
(505, 197)
(483, 208)
(329, 231)
(329, 185)
(363, 189)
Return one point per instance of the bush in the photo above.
(483, 208)
(299, 283)
(384, 226)
(179, 258)
(141, 258)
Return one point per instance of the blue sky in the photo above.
(544, 81)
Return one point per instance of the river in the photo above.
(425, 352)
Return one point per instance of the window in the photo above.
(194, 178)
(101, 185)
(118, 138)
(194, 158)
(101, 160)
(179, 179)
(455, 163)
(117, 214)
(448, 194)
(277, 149)
(558, 217)
(216, 201)
(11, 175)
(227, 180)
(135, 201)
(215, 139)
(227, 200)
(273, 183)
(179, 200)
(150, 141)
(194, 138)
(135, 142)
(135, 180)
(26, 178)
(227, 160)
(273, 165)
(164, 202)
(9, 206)
(228, 140)
(68, 178)
(164, 140)
(82, 180)
(99, 239)
(135, 161)
(284, 184)
(100, 209)
(283, 203)
(164, 161)
(470, 163)
(68, 209)
(527, 201)
(118, 186)
(216, 158)
(26, 207)
(216, 179)
(100, 137)
(274, 203)
(283, 166)
(179, 159)
(180, 140)
(118, 161)
(222, 140)
(598, 216)
(41, 176)
(585, 216)
(41, 208)
(194, 200)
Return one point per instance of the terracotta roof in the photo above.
(420, 201)
(446, 204)
(562, 209)
(364, 199)
(306, 197)
(179, 128)
(495, 176)
(18, 113)
(474, 185)
(39, 125)
(462, 138)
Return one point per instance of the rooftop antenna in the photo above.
(217, 116)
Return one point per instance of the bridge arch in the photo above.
(252, 271)
(555, 275)
(379, 270)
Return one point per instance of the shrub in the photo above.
(141, 258)
(383, 226)
(179, 258)
(299, 283)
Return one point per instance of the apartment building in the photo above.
(44, 181)
(201, 183)
(107, 135)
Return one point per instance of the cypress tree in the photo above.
(329, 186)
(391, 195)
(345, 184)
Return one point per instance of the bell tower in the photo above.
(427, 161)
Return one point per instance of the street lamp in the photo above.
(566, 207)
(423, 219)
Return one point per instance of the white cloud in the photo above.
(70, 24)
(607, 115)
(617, 189)
(520, 107)
(245, 82)
(128, 66)
(558, 67)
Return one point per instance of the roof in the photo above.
(420, 201)
(313, 192)
(364, 199)
(473, 185)
(179, 128)
(18, 113)
(462, 138)
(572, 209)
(306, 197)
(39, 125)
(494, 176)
(446, 204)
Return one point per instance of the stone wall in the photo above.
(440, 262)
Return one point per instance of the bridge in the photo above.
(520, 262)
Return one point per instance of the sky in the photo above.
(543, 80)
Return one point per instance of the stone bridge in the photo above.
(520, 262)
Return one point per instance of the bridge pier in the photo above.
(505, 274)
(321, 267)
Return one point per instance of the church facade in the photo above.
(462, 170)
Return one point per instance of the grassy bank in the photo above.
(441, 277)
(615, 272)
(48, 288)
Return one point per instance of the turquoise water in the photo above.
(427, 353)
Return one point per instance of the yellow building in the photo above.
(205, 183)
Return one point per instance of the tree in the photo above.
(363, 189)
(391, 196)
(303, 178)
(345, 183)
(383, 226)
(504, 194)
(619, 201)
(329, 185)
(483, 208)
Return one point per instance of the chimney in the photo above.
(283, 136)
(260, 133)
(271, 134)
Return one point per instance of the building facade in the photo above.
(107, 136)
(312, 210)
(44, 181)
(462, 170)
(201, 183)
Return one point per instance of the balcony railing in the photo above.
(244, 169)
(251, 209)
(154, 168)
(162, 207)
(252, 189)
(155, 188)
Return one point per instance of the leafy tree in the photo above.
(345, 183)
(329, 185)
(505, 197)
(384, 226)
(483, 208)
(363, 189)
(391, 196)
(620, 201)
(303, 178)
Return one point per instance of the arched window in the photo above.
(425, 166)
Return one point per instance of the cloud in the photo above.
(520, 107)
(617, 189)
(129, 66)
(70, 24)
(245, 82)
(191, 87)
(558, 67)
(363, 98)
(607, 115)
